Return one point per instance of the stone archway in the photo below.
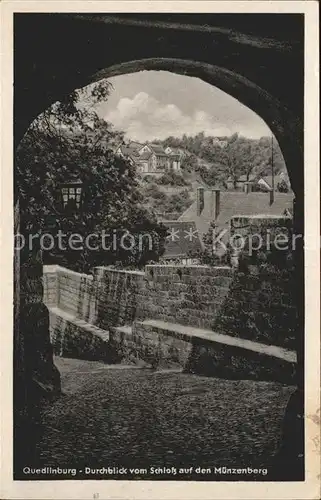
(239, 57)
(254, 58)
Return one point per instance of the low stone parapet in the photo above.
(159, 345)
(210, 353)
(75, 338)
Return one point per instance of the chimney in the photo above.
(199, 200)
(215, 203)
(271, 197)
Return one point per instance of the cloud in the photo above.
(145, 118)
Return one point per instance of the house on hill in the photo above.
(240, 182)
(218, 141)
(220, 206)
(257, 182)
(176, 156)
(129, 151)
(150, 158)
(158, 160)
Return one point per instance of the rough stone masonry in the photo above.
(141, 312)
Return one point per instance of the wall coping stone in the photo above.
(127, 271)
(262, 216)
(193, 266)
(103, 334)
(55, 268)
(189, 332)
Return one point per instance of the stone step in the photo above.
(210, 353)
(164, 345)
(188, 332)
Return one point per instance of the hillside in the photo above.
(170, 199)
(208, 161)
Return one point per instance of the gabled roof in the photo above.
(243, 178)
(182, 239)
(158, 149)
(233, 203)
(128, 151)
(268, 179)
(175, 151)
(144, 156)
(135, 145)
(257, 177)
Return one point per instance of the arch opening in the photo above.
(278, 118)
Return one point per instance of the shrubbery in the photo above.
(70, 141)
(173, 179)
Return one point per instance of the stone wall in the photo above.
(75, 293)
(189, 295)
(252, 301)
(50, 288)
(166, 345)
(119, 295)
(260, 304)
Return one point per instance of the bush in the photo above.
(178, 202)
(283, 186)
(173, 179)
(154, 192)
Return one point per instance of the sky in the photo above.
(151, 105)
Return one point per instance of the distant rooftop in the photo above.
(158, 149)
(145, 155)
(135, 145)
(233, 203)
(182, 239)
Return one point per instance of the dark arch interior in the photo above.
(257, 59)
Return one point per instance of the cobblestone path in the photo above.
(113, 416)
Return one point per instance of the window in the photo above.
(71, 197)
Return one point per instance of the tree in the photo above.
(70, 140)
(210, 255)
(189, 163)
(282, 186)
(230, 162)
(241, 156)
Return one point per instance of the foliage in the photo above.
(172, 178)
(208, 256)
(152, 190)
(163, 202)
(282, 186)
(228, 158)
(178, 202)
(189, 163)
(69, 140)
